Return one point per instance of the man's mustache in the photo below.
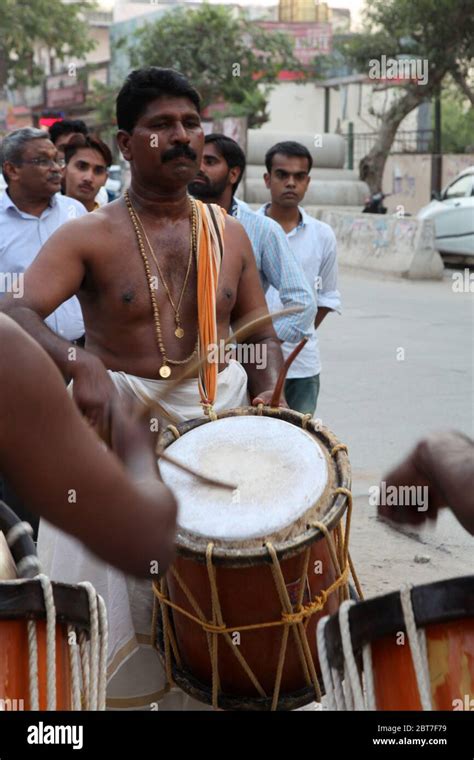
(177, 152)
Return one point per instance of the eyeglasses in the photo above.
(45, 163)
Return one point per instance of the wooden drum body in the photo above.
(53, 636)
(238, 614)
(22, 601)
(444, 613)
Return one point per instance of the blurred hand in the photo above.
(134, 433)
(265, 397)
(93, 392)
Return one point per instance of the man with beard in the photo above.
(160, 276)
(222, 168)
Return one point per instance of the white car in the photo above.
(453, 216)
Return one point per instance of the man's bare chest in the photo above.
(125, 276)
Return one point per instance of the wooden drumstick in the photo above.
(194, 473)
(156, 410)
(275, 400)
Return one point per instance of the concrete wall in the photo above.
(384, 244)
(408, 178)
(300, 108)
(454, 163)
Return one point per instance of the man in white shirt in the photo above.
(31, 209)
(314, 244)
(222, 166)
(60, 133)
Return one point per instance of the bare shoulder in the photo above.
(89, 232)
(236, 239)
(233, 229)
(103, 219)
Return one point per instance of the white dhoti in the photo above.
(136, 678)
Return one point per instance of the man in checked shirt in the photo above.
(222, 167)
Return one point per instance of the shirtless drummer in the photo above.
(144, 333)
(98, 259)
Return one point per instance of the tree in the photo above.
(227, 58)
(458, 122)
(27, 23)
(101, 99)
(438, 32)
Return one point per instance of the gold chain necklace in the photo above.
(179, 332)
(165, 370)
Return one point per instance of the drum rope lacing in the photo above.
(297, 620)
(28, 565)
(350, 693)
(93, 654)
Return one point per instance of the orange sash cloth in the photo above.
(210, 249)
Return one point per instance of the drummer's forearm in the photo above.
(265, 366)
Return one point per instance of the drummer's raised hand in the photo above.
(265, 398)
(442, 464)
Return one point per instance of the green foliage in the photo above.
(457, 122)
(102, 100)
(226, 57)
(25, 23)
(440, 31)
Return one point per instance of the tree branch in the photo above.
(460, 79)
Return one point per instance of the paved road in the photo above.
(380, 405)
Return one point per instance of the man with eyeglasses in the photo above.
(87, 160)
(31, 210)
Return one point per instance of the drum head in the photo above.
(279, 470)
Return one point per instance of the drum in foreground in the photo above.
(408, 650)
(53, 636)
(258, 566)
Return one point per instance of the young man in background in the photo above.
(313, 242)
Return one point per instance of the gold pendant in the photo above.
(179, 332)
(165, 371)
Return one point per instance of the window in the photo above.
(461, 188)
